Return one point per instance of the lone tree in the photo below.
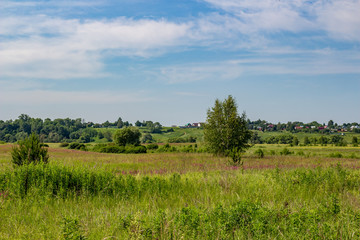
(29, 150)
(128, 135)
(225, 132)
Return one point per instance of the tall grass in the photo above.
(50, 202)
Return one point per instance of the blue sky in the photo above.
(167, 60)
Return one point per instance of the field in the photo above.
(290, 193)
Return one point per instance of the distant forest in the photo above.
(77, 130)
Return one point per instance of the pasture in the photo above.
(298, 193)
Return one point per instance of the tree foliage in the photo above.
(29, 150)
(128, 135)
(225, 132)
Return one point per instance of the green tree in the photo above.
(295, 141)
(29, 150)
(128, 135)
(331, 124)
(138, 123)
(147, 138)
(225, 132)
(119, 123)
(355, 141)
(323, 140)
(108, 136)
(306, 141)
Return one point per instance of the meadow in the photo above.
(299, 192)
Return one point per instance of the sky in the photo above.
(169, 60)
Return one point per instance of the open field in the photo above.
(301, 135)
(313, 192)
(198, 134)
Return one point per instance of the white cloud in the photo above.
(46, 97)
(44, 47)
(5, 4)
(339, 18)
(266, 15)
(294, 62)
(39, 46)
(201, 72)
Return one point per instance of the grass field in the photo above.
(301, 135)
(198, 134)
(307, 193)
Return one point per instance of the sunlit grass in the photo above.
(303, 195)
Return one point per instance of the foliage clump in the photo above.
(29, 150)
(77, 146)
(126, 136)
(225, 132)
(71, 229)
(259, 153)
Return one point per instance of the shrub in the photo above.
(170, 130)
(112, 149)
(126, 136)
(335, 155)
(147, 138)
(152, 146)
(300, 153)
(135, 149)
(285, 152)
(189, 139)
(77, 146)
(64, 144)
(167, 148)
(29, 150)
(71, 229)
(260, 153)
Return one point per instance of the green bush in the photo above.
(71, 229)
(29, 150)
(285, 152)
(77, 146)
(189, 139)
(112, 149)
(135, 149)
(167, 148)
(152, 146)
(129, 135)
(64, 144)
(260, 153)
(335, 155)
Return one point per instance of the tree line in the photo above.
(63, 130)
(312, 127)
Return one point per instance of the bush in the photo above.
(127, 136)
(189, 139)
(29, 150)
(170, 130)
(77, 146)
(152, 146)
(167, 148)
(335, 155)
(147, 138)
(112, 149)
(135, 149)
(64, 144)
(260, 153)
(71, 229)
(285, 152)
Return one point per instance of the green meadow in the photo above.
(289, 193)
